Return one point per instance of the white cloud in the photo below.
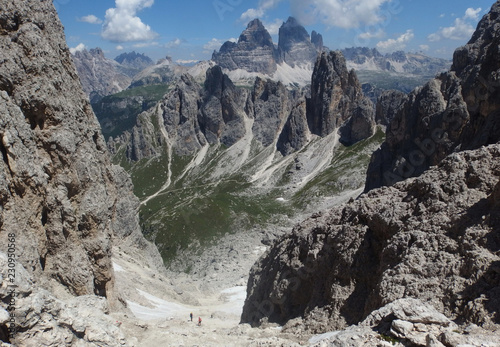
(372, 35)
(78, 48)
(90, 19)
(120, 48)
(215, 44)
(174, 43)
(472, 13)
(264, 6)
(274, 27)
(424, 48)
(123, 25)
(345, 14)
(186, 62)
(461, 29)
(398, 44)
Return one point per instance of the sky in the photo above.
(190, 30)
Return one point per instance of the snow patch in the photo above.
(118, 268)
(162, 309)
(318, 338)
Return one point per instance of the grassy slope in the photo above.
(195, 211)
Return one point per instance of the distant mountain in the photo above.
(255, 53)
(99, 75)
(163, 72)
(133, 62)
(370, 59)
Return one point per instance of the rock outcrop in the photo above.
(338, 101)
(62, 201)
(99, 76)
(457, 110)
(408, 322)
(434, 238)
(221, 117)
(254, 51)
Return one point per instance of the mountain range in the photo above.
(290, 61)
(411, 256)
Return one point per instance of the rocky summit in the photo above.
(254, 51)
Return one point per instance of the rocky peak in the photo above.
(134, 61)
(317, 40)
(292, 32)
(254, 52)
(457, 110)
(336, 96)
(222, 109)
(295, 46)
(256, 35)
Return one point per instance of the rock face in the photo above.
(99, 76)
(434, 238)
(336, 97)
(62, 202)
(455, 111)
(254, 52)
(222, 114)
(388, 105)
(295, 46)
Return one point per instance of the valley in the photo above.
(285, 193)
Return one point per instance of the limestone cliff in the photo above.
(457, 110)
(60, 196)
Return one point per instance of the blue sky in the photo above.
(192, 29)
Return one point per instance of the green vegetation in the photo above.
(196, 209)
(388, 338)
(194, 213)
(118, 113)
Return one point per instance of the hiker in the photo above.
(191, 316)
(199, 321)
